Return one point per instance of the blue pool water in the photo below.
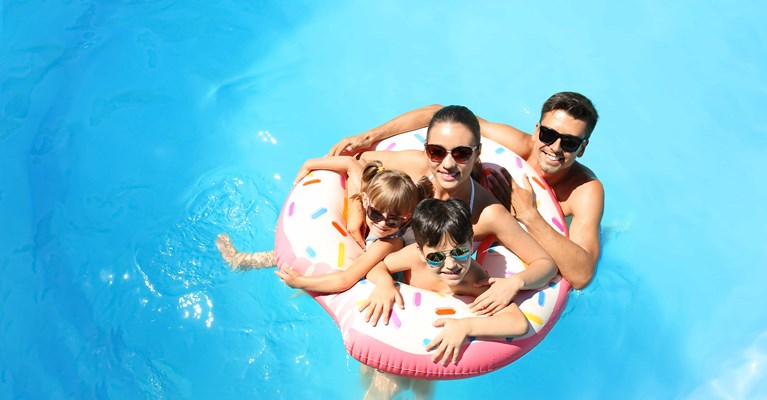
(133, 132)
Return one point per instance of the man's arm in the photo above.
(577, 256)
(507, 136)
(406, 122)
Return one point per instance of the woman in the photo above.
(451, 150)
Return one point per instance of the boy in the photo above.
(440, 261)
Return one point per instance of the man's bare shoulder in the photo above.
(585, 194)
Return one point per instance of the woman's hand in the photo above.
(380, 303)
(448, 343)
(497, 297)
(351, 145)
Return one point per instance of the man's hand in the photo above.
(523, 200)
(497, 297)
(380, 303)
(499, 184)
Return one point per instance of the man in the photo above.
(560, 137)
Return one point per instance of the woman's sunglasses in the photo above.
(392, 221)
(461, 154)
(438, 258)
(569, 143)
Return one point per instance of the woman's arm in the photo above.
(540, 266)
(406, 122)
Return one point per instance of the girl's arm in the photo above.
(340, 281)
(447, 345)
(345, 164)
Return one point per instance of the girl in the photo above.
(387, 199)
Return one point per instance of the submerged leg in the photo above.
(382, 386)
(422, 389)
(243, 261)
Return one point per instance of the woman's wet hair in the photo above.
(456, 115)
(435, 219)
(574, 104)
(391, 191)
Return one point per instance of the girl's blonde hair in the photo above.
(391, 191)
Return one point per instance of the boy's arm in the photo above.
(406, 122)
(447, 345)
(341, 280)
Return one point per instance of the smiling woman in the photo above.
(310, 239)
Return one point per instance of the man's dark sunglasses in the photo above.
(569, 143)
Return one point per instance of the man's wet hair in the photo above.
(576, 105)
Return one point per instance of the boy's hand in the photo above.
(497, 297)
(449, 341)
(290, 276)
(380, 303)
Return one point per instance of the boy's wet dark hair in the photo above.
(433, 219)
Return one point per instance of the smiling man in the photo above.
(560, 137)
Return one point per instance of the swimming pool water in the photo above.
(133, 132)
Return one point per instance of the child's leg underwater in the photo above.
(243, 261)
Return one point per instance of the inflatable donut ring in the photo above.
(311, 238)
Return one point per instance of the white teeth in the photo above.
(551, 157)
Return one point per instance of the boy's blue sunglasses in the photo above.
(437, 258)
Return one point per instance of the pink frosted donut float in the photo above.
(311, 237)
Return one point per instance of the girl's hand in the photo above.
(380, 303)
(355, 222)
(301, 174)
(448, 343)
(290, 276)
